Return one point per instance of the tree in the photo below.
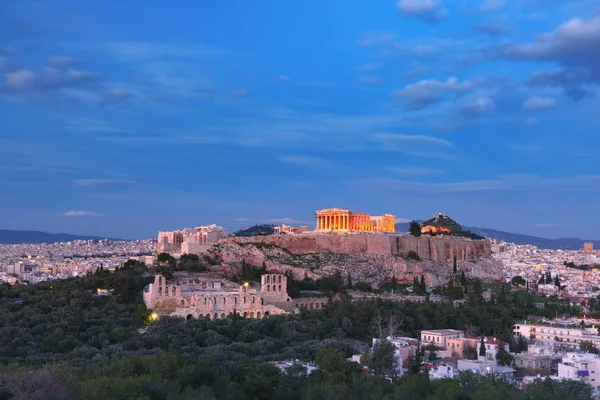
(431, 352)
(422, 285)
(557, 281)
(502, 356)
(589, 347)
(415, 229)
(548, 278)
(518, 281)
(261, 381)
(384, 358)
(482, 348)
(502, 297)
(463, 279)
(163, 257)
(415, 361)
(454, 267)
(469, 353)
(366, 360)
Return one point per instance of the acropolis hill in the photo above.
(362, 247)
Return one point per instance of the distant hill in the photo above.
(255, 230)
(445, 221)
(542, 243)
(36, 237)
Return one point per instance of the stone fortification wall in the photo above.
(437, 249)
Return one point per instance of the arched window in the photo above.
(253, 299)
(244, 299)
(268, 279)
(268, 288)
(280, 288)
(279, 279)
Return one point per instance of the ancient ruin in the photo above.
(200, 297)
(340, 220)
(188, 240)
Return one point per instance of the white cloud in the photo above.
(18, 79)
(392, 140)
(538, 103)
(285, 79)
(428, 10)
(426, 92)
(104, 182)
(303, 161)
(478, 107)
(375, 38)
(550, 226)
(138, 51)
(81, 214)
(517, 182)
(531, 122)
(239, 93)
(492, 5)
(285, 220)
(242, 220)
(414, 171)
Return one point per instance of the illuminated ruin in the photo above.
(340, 220)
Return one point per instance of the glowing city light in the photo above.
(154, 316)
(246, 284)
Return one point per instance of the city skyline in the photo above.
(122, 123)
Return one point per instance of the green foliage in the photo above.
(518, 281)
(248, 273)
(363, 287)
(454, 266)
(164, 257)
(366, 359)
(589, 347)
(413, 255)
(415, 229)
(91, 347)
(503, 357)
(384, 359)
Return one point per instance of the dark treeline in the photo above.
(61, 338)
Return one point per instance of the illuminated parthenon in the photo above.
(337, 219)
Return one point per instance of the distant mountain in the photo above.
(36, 237)
(255, 230)
(542, 243)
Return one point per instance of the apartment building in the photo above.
(439, 337)
(564, 334)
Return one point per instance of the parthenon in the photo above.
(337, 219)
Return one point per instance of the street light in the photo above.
(154, 316)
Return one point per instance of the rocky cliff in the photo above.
(436, 249)
(368, 258)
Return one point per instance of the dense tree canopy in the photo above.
(82, 345)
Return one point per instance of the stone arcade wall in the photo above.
(195, 297)
(437, 249)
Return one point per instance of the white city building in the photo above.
(583, 367)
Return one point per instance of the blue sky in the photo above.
(122, 118)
